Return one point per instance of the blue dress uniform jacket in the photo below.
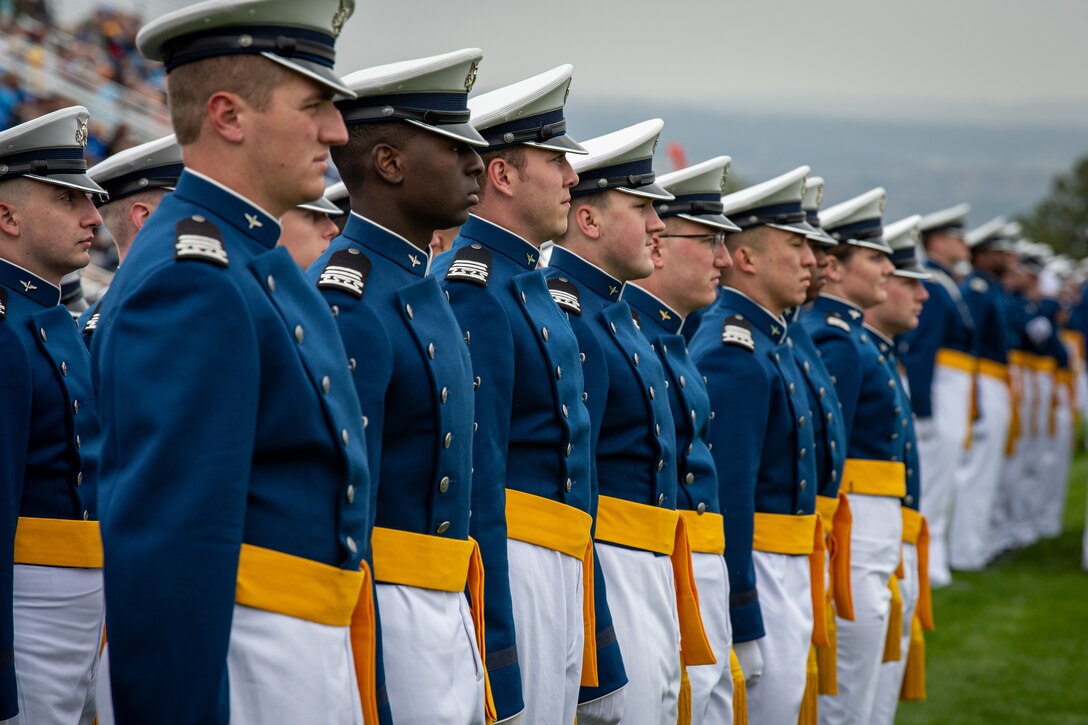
(985, 300)
(533, 433)
(626, 396)
(945, 322)
(762, 445)
(49, 438)
(872, 414)
(828, 429)
(229, 417)
(413, 375)
(913, 497)
(697, 478)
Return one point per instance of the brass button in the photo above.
(41, 331)
(566, 411)
(803, 452)
(657, 428)
(661, 465)
(75, 407)
(613, 326)
(445, 394)
(443, 527)
(476, 383)
(351, 364)
(430, 351)
(77, 442)
(351, 493)
(444, 484)
(344, 436)
(804, 484)
(661, 499)
(326, 384)
(352, 546)
(683, 383)
(690, 478)
(544, 333)
(582, 357)
(86, 515)
(585, 397)
(569, 485)
(806, 366)
(299, 334)
(635, 358)
(271, 281)
(408, 309)
(823, 392)
(570, 449)
(652, 393)
(79, 478)
(447, 440)
(366, 422)
(801, 422)
(701, 508)
(64, 368)
(558, 373)
(793, 388)
(523, 300)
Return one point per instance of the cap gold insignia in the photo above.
(338, 19)
(725, 176)
(470, 79)
(81, 132)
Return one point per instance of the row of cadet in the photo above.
(671, 475)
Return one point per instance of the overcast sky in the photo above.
(978, 60)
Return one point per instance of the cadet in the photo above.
(688, 256)
(873, 475)
(762, 444)
(897, 314)
(409, 166)
(235, 493)
(939, 359)
(308, 229)
(830, 445)
(49, 442)
(607, 243)
(140, 177)
(979, 474)
(532, 481)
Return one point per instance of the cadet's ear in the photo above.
(139, 212)
(9, 219)
(744, 259)
(226, 113)
(388, 163)
(500, 176)
(587, 218)
(655, 251)
(835, 269)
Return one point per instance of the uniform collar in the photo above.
(592, 277)
(651, 310)
(846, 310)
(500, 239)
(882, 340)
(937, 266)
(768, 323)
(380, 240)
(29, 284)
(229, 205)
(793, 314)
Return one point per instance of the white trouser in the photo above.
(891, 673)
(1008, 501)
(875, 540)
(978, 478)
(940, 447)
(58, 615)
(606, 710)
(1059, 458)
(103, 695)
(283, 671)
(433, 672)
(712, 685)
(785, 601)
(642, 600)
(546, 591)
(1036, 483)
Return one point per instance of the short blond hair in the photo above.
(189, 87)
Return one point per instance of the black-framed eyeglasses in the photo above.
(716, 240)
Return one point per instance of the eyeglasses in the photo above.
(715, 240)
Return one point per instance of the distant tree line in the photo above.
(1061, 219)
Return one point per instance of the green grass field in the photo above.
(1011, 644)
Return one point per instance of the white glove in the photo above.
(750, 658)
(1039, 329)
